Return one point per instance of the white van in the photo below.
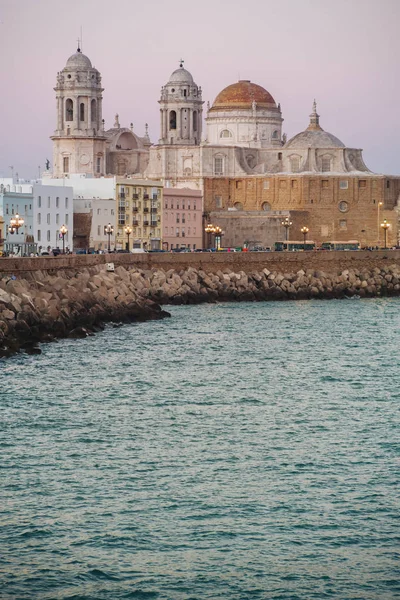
(138, 251)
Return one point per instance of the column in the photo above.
(76, 102)
(161, 123)
(190, 117)
(165, 136)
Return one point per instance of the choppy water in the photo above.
(239, 451)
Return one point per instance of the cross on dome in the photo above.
(181, 61)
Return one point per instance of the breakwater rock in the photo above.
(40, 306)
(43, 307)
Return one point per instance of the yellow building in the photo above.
(139, 214)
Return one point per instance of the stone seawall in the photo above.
(75, 300)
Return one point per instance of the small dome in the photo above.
(181, 75)
(314, 136)
(314, 139)
(241, 95)
(78, 61)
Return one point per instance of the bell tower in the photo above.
(79, 144)
(181, 110)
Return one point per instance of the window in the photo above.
(112, 212)
(183, 217)
(98, 211)
(66, 203)
(82, 112)
(279, 155)
(188, 230)
(362, 183)
(388, 184)
(325, 183)
(66, 219)
(225, 133)
(57, 202)
(295, 164)
(275, 135)
(326, 164)
(48, 202)
(294, 183)
(48, 236)
(238, 206)
(195, 120)
(218, 165)
(48, 218)
(93, 111)
(39, 235)
(343, 224)
(98, 230)
(266, 206)
(66, 164)
(343, 206)
(39, 201)
(343, 184)
(172, 120)
(39, 218)
(69, 110)
(177, 217)
(98, 164)
(218, 201)
(266, 185)
(6, 209)
(177, 232)
(183, 233)
(57, 219)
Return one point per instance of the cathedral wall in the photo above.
(336, 212)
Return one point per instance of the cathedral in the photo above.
(250, 175)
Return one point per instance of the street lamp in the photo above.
(209, 229)
(15, 223)
(304, 230)
(128, 230)
(385, 226)
(218, 236)
(63, 231)
(287, 223)
(109, 230)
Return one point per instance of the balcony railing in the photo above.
(145, 223)
(135, 196)
(135, 223)
(146, 196)
(134, 209)
(146, 210)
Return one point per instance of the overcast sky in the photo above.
(345, 53)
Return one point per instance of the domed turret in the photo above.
(181, 109)
(78, 61)
(314, 136)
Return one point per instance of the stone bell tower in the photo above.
(181, 110)
(79, 144)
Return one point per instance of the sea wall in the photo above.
(43, 304)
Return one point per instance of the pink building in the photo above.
(182, 218)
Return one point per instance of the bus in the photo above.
(293, 246)
(350, 245)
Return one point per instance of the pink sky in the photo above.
(344, 53)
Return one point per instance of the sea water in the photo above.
(238, 451)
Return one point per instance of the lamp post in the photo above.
(109, 230)
(218, 236)
(287, 223)
(128, 231)
(209, 229)
(380, 204)
(385, 226)
(304, 230)
(15, 223)
(63, 231)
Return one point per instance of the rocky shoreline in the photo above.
(40, 306)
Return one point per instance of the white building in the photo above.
(44, 209)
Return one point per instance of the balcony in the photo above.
(146, 210)
(135, 223)
(155, 196)
(153, 209)
(146, 196)
(134, 209)
(153, 223)
(122, 196)
(145, 223)
(135, 196)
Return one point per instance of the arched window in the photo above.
(275, 135)
(225, 133)
(69, 110)
(93, 111)
(266, 206)
(172, 119)
(326, 164)
(295, 164)
(238, 206)
(82, 112)
(195, 120)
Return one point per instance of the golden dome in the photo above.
(241, 95)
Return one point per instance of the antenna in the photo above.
(81, 39)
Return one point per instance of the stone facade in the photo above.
(334, 207)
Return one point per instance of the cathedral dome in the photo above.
(78, 61)
(241, 95)
(314, 136)
(181, 75)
